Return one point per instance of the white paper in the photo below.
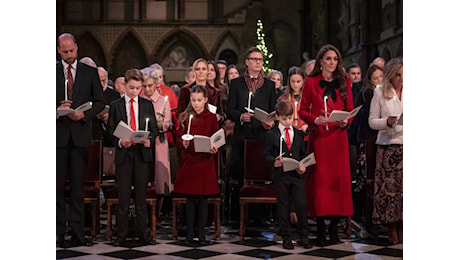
(290, 164)
(203, 143)
(261, 115)
(105, 110)
(123, 131)
(212, 108)
(400, 121)
(339, 115)
(82, 108)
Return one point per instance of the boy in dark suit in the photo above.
(289, 185)
(132, 159)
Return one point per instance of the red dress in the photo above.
(328, 182)
(197, 173)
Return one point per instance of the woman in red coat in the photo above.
(196, 176)
(328, 184)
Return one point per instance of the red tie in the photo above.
(288, 138)
(69, 82)
(133, 117)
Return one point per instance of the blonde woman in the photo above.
(386, 108)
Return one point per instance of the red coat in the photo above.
(328, 183)
(197, 172)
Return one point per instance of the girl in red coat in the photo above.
(196, 176)
(328, 183)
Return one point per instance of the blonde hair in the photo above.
(390, 71)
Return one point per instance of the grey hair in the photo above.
(88, 61)
(157, 66)
(149, 72)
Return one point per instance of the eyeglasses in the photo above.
(256, 59)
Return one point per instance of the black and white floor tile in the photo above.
(259, 243)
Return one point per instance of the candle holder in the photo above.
(66, 101)
(187, 137)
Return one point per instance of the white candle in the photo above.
(249, 99)
(189, 123)
(65, 92)
(163, 105)
(295, 112)
(281, 145)
(325, 110)
(146, 123)
(325, 106)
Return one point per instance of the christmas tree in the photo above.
(261, 46)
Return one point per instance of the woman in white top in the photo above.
(385, 110)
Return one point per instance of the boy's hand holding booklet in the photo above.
(82, 108)
(339, 115)
(124, 132)
(203, 143)
(290, 164)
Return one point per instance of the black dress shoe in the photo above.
(203, 241)
(287, 244)
(147, 241)
(119, 242)
(60, 240)
(305, 243)
(81, 240)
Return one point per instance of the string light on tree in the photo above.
(261, 46)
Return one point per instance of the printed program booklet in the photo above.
(290, 164)
(124, 131)
(203, 143)
(84, 107)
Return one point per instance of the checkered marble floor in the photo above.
(259, 243)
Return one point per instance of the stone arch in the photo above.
(176, 51)
(385, 53)
(226, 48)
(89, 46)
(127, 53)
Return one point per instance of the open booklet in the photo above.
(400, 121)
(124, 131)
(261, 115)
(339, 115)
(290, 164)
(105, 110)
(203, 143)
(82, 108)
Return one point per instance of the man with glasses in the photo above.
(254, 90)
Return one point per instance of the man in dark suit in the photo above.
(261, 92)
(132, 159)
(100, 123)
(73, 135)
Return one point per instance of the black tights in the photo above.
(202, 202)
(333, 228)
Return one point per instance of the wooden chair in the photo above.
(111, 199)
(91, 186)
(179, 200)
(258, 187)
